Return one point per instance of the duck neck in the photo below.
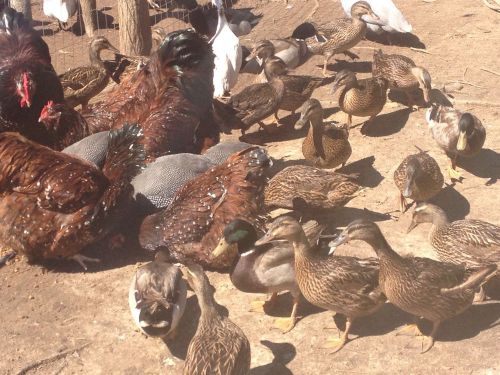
(384, 251)
(208, 306)
(95, 57)
(301, 245)
(316, 130)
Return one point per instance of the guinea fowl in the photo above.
(156, 185)
(84, 82)
(64, 125)
(191, 226)
(53, 205)
(27, 78)
(171, 99)
(422, 287)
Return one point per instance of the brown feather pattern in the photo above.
(190, 228)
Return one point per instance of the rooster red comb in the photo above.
(45, 110)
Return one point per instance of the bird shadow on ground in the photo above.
(275, 133)
(342, 216)
(452, 202)
(283, 307)
(368, 175)
(283, 353)
(477, 318)
(396, 39)
(383, 321)
(354, 66)
(484, 165)
(386, 124)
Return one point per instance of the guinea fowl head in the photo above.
(184, 49)
(25, 88)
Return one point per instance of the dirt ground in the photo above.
(65, 321)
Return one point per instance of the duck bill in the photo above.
(341, 239)
(335, 87)
(301, 122)
(427, 94)
(412, 226)
(264, 240)
(222, 248)
(462, 141)
(407, 190)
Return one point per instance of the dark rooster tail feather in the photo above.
(11, 20)
(124, 159)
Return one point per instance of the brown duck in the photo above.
(475, 243)
(360, 97)
(422, 287)
(346, 285)
(258, 101)
(418, 177)
(219, 346)
(402, 74)
(341, 35)
(326, 145)
(84, 82)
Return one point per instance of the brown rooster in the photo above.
(171, 98)
(52, 205)
(27, 78)
(63, 124)
(191, 226)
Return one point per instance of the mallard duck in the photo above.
(297, 88)
(422, 287)
(346, 285)
(192, 225)
(326, 145)
(228, 55)
(457, 133)
(390, 17)
(157, 298)
(264, 269)
(299, 185)
(402, 74)
(84, 82)
(418, 177)
(219, 346)
(363, 97)
(474, 243)
(292, 51)
(340, 35)
(256, 102)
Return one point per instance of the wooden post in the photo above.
(88, 8)
(23, 6)
(135, 29)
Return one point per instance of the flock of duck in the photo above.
(211, 210)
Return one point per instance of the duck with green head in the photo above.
(264, 269)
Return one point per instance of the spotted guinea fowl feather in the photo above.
(190, 228)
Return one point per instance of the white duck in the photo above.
(391, 19)
(61, 10)
(228, 54)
